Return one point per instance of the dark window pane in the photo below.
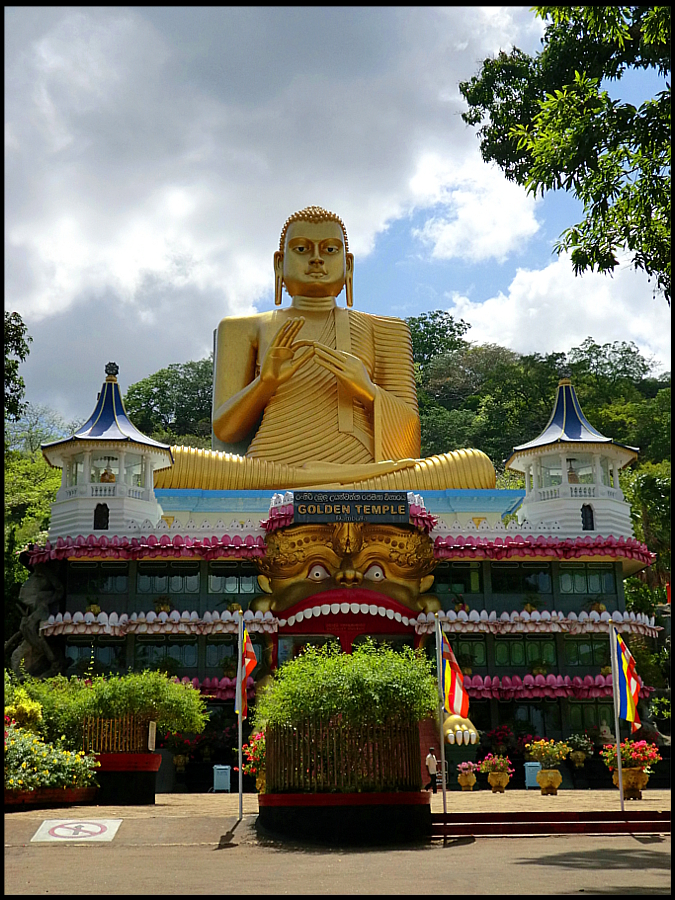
(517, 653)
(502, 653)
(585, 653)
(549, 655)
(571, 653)
(506, 581)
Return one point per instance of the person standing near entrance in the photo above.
(431, 762)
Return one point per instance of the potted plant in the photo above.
(110, 715)
(582, 746)
(521, 745)
(179, 746)
(466, 775)
(92, 606)
(163, 604)
(550, 754)
(500, 739)
(637, 757)
(499, 771)
(41, 773)
(660, 710)
(254, 752)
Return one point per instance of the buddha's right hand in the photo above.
(278, 364)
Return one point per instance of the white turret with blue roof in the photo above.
(108, 464)
(572, 474)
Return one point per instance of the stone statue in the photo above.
(41, 589)
(316, 395)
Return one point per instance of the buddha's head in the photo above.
(305, 560)
(313, 258)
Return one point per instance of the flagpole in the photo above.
(615, 692)
(441, 705)
(240, 623)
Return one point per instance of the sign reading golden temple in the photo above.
(351, 506)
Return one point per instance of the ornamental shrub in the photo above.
(31, 763)
(549, 753)
(493, 763)
(372, 685)
(634, 755)
(581, 742)
(19, 706)
(254, 752)
(151, 696)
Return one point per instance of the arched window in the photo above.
(101, 516)
(587, 523)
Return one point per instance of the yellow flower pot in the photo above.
(180, 761)
(549, 780)
(634, 782)
(578, 757)
(466, 780)
(498, 781)
(260, 783)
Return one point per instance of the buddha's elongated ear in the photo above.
(278, 276)
(349, 279)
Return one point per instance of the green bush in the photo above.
(31, 763)
(150, 696)
(370, 685)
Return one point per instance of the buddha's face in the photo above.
(305, 560)
(314, 262)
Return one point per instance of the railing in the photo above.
(127, 734)
(119, 489)
(323, 756)
(575, 491)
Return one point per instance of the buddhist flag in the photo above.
(628, 684)
(455, 697)
(247, 664)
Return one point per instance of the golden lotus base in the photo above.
(549, 780)
(467, 781)
(578, 757)
(498, 781)
(634, 782)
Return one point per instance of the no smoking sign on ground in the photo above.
(77, 830)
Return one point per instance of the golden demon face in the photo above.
(305, 560)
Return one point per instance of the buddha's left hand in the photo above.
(349, 371)
(459, 730)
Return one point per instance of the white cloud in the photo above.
(552, 310)
(481, 215)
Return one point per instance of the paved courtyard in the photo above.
(192, 843)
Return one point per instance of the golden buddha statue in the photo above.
(316, 395)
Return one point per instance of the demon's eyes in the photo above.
(318, 573)
(374, 573)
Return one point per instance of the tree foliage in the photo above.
(371, 685)
(17, 340)
(547, 122)
(174, 404)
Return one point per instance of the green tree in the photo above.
(545, 120)
(434, 333)
(647, 489)
(17, 340)
(174, 404)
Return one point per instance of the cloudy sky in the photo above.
(153, 154)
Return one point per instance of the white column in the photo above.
(87, 467)
(527, 480)
(597, 469)
(121, 458)
(615, 480)
(563, 464)
(63, 472)
(535, 476)
(148, 473)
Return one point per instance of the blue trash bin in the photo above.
(221, 778)
(531, 769)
